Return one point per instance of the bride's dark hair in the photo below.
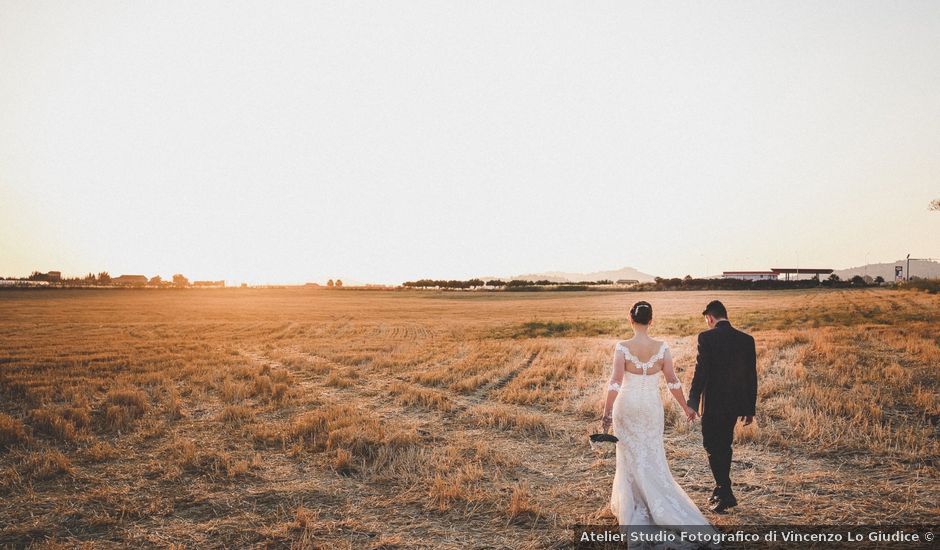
(642, 312)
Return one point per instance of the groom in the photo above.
(725, 381)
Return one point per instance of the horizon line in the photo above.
(354, 281)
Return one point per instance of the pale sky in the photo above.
(387, 141)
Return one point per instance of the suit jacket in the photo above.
(725, 380)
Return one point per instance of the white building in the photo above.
(750, 275)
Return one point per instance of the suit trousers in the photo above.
(717, 436)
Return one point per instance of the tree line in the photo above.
(104, 278)
(690, 283)
(495, 283)
(658, 284)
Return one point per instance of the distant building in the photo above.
(54, 276)
(628, 282)
(209, 284)
(130, 280)
(750, 275)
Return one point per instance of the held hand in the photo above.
(606, 421)
(689, 414)
(747, 420)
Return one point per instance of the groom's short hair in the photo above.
(716, 309)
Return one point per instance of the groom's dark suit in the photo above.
(725, 382)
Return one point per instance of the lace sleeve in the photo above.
(669, 373)
(616, 374)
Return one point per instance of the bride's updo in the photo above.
(641, 312)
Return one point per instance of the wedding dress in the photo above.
(645, 496)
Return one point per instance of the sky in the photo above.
(285, 142)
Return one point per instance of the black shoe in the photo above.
(723, 504)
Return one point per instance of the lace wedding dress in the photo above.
(645, 496)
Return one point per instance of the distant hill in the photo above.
(568, 277)
(886, 270)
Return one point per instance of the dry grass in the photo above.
(299, 419)
(521, 503)
(12, 432)
(422, 398)
(190, 458)
(505, 417)
(236, 414)
(45, 465)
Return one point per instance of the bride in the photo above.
(644, 492)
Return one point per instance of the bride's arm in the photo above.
(675, 386)
(613, 387)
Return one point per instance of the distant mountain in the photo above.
(568, 277)
(886, 270)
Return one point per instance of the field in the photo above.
(366, 419)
